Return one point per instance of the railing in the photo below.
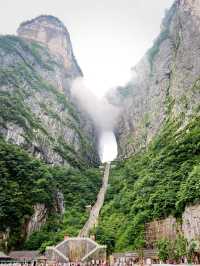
(16, 263)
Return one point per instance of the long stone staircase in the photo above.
(94, 213)
(82, 248)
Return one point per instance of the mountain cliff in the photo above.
(166, 78)
(37, 110)
(153, 197)
(47, 142)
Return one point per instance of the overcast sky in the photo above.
(108, 36)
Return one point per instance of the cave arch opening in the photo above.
(107, 146)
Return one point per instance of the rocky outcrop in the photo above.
(161, 229)
(59, 204)
(166, 80)
(37, 110)
(191, 222)
(41, 212)
(37, 219)
(50, 31)
(170, 228)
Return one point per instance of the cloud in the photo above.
(103, 114)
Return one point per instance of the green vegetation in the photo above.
(156, 46)
(165, 33)
(37, 50)
(125, 91)
(23, 83)
(79, 189)
(173, 249)
(14, 45)
(26, 181)
(152, 184)
(56, 228)
(25, 97)
(13, 109)
(69, 154)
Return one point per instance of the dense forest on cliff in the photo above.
(152, 184)
(159, 139)
(47, 144)
(26, 181)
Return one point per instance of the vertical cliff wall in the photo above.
(170, 228)
(167, 80)
(37, 110)
(39, 114)
(158, 130)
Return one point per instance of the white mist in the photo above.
(103, 114)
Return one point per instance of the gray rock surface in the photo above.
(40, 214)
(170, 228)
(166, 77)
(37, 219)
(37, 109)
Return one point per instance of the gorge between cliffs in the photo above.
(56, 135)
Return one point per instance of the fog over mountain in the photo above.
(108, 37)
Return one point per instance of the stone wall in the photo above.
(37, 219)
(170, 228)
(160, 229)
(191, 222)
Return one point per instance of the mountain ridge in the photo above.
(156, 181)
(159, 81)
(40, 116)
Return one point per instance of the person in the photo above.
(104, 263)
(148, 261)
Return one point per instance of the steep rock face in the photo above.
(37, 219)
(170, 228)
(167, 80)
(38, 113)
(191, 222)
(159, 130)
(37, 110)
(41, 213)
(161, 229)
(59, 205)
(51, 32)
